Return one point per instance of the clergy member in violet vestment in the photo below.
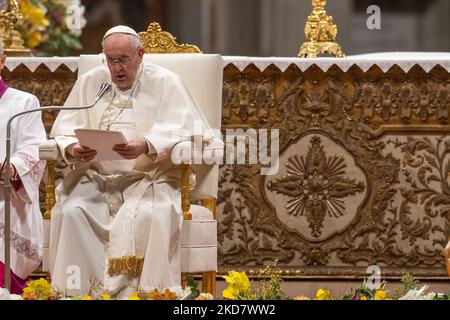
(118, 223)
(27, 133)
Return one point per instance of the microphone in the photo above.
(105, 87)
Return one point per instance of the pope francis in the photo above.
(118, 222)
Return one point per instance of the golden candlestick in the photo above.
(320, 33)
(10, 17)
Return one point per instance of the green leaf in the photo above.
(195, 292)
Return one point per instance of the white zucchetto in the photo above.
(120, 29)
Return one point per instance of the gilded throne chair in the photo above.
(202, 74)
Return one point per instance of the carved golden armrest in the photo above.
(198, 220)
(49, 151)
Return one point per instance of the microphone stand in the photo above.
(105, 87)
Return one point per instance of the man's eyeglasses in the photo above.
(123, 61)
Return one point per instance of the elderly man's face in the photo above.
(123, 59)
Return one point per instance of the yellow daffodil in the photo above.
(35, 15)
(37, 290)
(106, 297)
(34, 39)
(230, 293)
(323, 294)
(238, 286)
(134, 296)
(28, 294)
(239, 280)
(87, 298)
(380, 295)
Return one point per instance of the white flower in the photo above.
(182, 294)
(418, 294)
(4, 294)
(16, 297)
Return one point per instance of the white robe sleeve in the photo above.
(82, 94)
(68, 120)
(177, 120)
(29, 134)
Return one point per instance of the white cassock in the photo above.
(119, 222)
(27, 133)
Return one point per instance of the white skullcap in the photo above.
(120, 29)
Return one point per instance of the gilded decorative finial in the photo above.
(154, 40)
(10, 17)
(320, 33)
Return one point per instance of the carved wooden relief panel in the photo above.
(51, 88)
(363, 177)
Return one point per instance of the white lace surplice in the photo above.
(27, 132)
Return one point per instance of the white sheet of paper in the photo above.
(103, 141)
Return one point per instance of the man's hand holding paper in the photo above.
(133, 149)
(83, 154)
(99, 145)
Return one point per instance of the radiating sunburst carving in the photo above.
(316, 186)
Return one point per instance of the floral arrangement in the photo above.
(52, 27)
(269, 288)
(239, 288)
(366, 293)
(42, 290)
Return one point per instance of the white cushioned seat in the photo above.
(199, 241)
(46, 246)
